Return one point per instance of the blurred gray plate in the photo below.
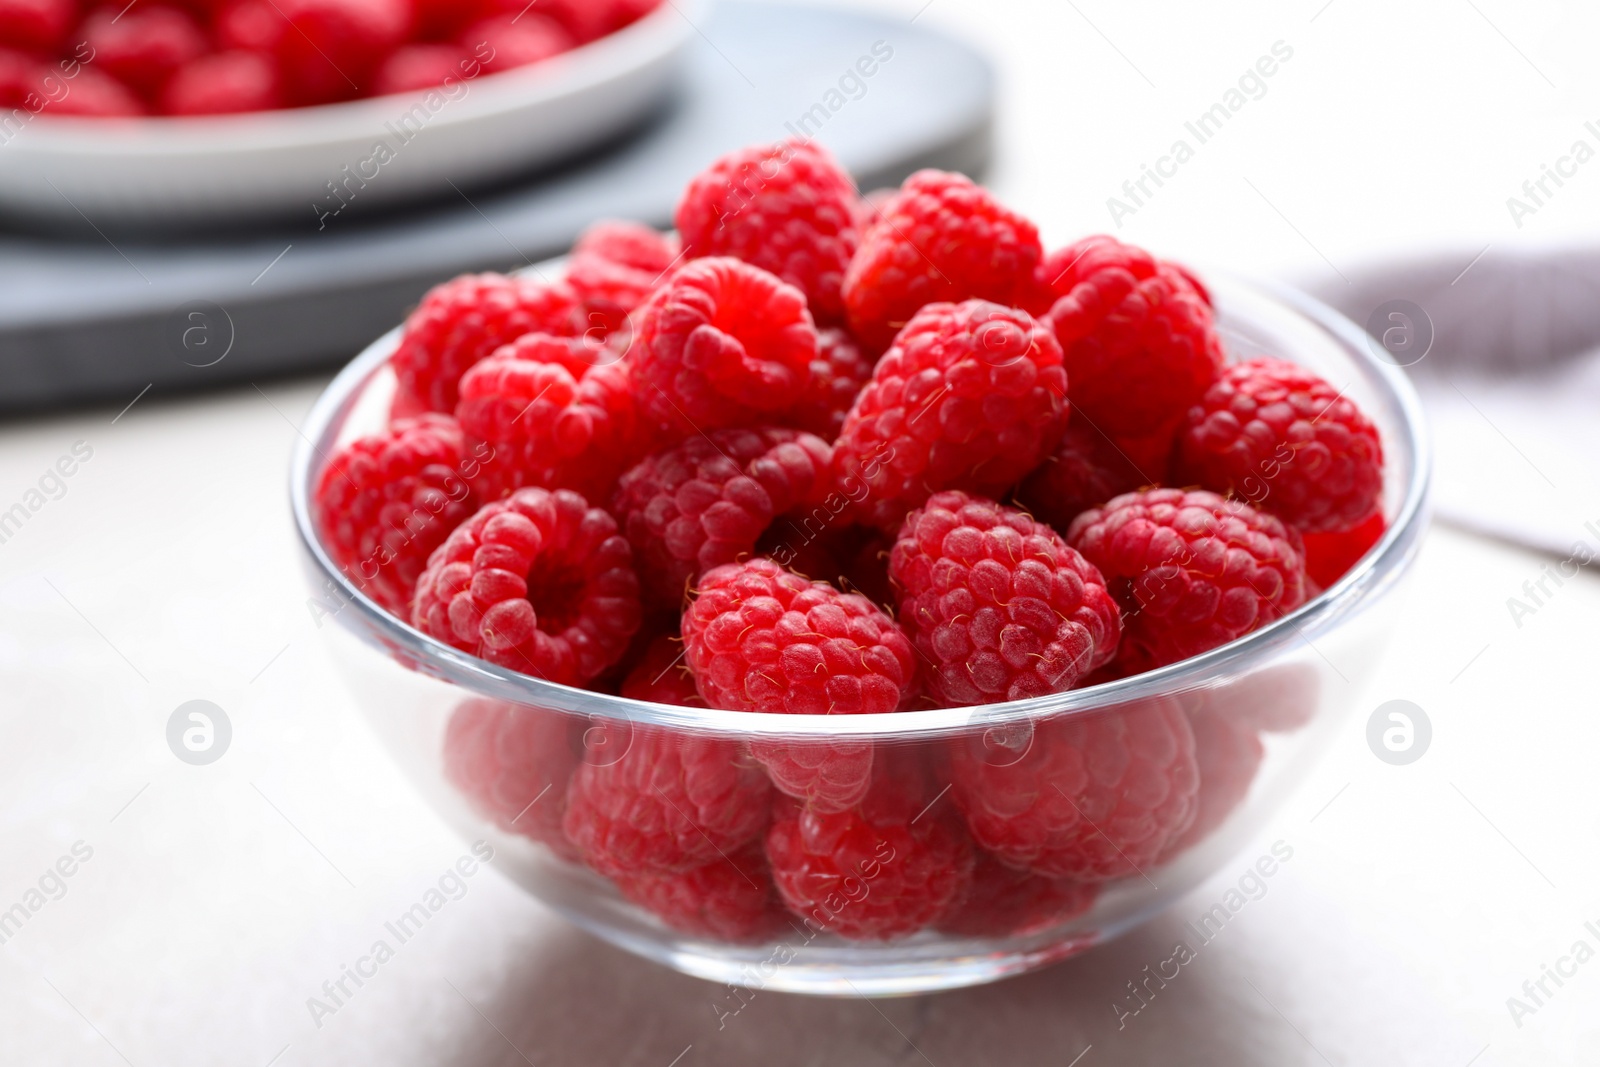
(96, 314)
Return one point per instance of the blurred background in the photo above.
(1395, 153)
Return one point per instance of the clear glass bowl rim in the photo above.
(1368, 581)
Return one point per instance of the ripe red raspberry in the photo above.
(1281, 437)
(251, 25)
(1090, 797)
(329, 49)
(20, 77)
(971, 396)
(37, 26)
(1228, 753)
(614, 267)
(548, 417)
(997, 603)
(386, 501)
(95, 94)
(1087, 468)
(591, 19)
(730, 899)
(788, 208)
(420, 66)
(1139, 342)
(673, 801)
(1330, 555)
(515, 40)
(662, 676)
(512, 762)
(223, 83)
(539, 582)
(838, 374)
(721, 344)
(1191, 570)
(882, 869)
(463, 320)
(141, 46)
(705, 502)
(940, 239)
(1007, 902)
(762, 639)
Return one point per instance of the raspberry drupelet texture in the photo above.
(1087, 468)
(838, 374)
(551, 418)
(1228, 753)
(672, 801)
(1138, 339)
(1281, 437)
(1330, 555)
(721, 344)
(513, 762)
(96, 94)
(940, 239)
(883, 868)
(465, 319)
(662, 676)
(142, 46)
(707, 501)
(386, 501)
(539, 582)
(763, 639)
(998, 603)
(223, 83)
(329, 49)
(970, 396)
(1006, 902)
(788, 208)
(730, 899)
(1191, 570)
(614, 267)
(1089, 798)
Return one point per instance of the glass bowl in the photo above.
(1118, 798)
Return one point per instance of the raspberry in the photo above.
(1138, 339)
(705, 502)
(1280, 699)
(1228, 753)
(95, 94)
(1006, 902)
(838, 374)
(1284, 439)
(223, 83)
(1089, 797)
(38, 26)
(730, 899)
(1330, 555)
(329, 49)
(512, 762)
(539, 582)
(416, 67)
(1191, 570)
(1086, 469)
(940, 239)
(884, 868)
(590, 19)
(614, 267)
(662, 676)
(998, 603)
(252, 25)
(788, 208)
(673, 801)
(722, 344)
(516, 40)
(971, 396)
(141, 46)
(385, 502)
(20, 77)
(762, 639)
(549, 418)
(462, 321)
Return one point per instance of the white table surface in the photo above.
(218, 898)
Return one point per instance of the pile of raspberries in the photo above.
(211, 57)
(822, 454)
